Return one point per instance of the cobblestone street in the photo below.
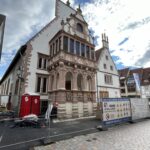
(124, 137)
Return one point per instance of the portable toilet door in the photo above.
(35, 106)
(25, 106)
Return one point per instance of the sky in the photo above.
(125, 22)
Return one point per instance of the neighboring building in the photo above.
(145, 84)
(123, 84)
(58, 63)
(2, 26)
(131, 82)
(107, 74)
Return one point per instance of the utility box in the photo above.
(30, 104)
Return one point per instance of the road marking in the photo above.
(23, 142)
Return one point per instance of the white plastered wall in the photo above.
(113, 89)
(41, 44)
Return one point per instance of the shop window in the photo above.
(44, 106)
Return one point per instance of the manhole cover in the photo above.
(88, 140)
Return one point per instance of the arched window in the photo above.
(68, 81)
(52, 82)
(57, 81)
(17, 86)
(89, 83)
(80, 82)
(79, 27)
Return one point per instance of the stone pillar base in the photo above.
(70, 110)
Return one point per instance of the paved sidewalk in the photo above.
(125, 137)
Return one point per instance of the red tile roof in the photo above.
(123, 72)
(146, 76)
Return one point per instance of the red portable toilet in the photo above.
(30, 104)
(35, 105)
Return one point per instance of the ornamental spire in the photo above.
(68, 3)
(79, 9)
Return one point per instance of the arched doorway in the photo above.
(68, 81)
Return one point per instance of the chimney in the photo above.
(105, 41)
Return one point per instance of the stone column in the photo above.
(54, 82)
(74, 47)
(93, 82)
(49, 83)
(84, 82)
(62, 73)
(61, 46)
(68, 44)
(41, 86)
(74, 82)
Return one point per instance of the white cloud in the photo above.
(23, 20)
(121, 19)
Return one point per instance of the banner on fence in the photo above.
(140, 108)
(116, 110)
(137, 81)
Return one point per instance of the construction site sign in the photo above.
(116, 110)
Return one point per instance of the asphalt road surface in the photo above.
(23, 138)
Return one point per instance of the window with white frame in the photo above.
(111, 68)
(105, 67)
(41, 84)
(42, 62)
(108, 79)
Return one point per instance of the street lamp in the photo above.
(21, 79)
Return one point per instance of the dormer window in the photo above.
(79, 27)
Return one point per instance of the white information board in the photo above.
(116, 110)
(140, 108)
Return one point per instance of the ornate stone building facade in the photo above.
(59, 64)
(72, 68)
